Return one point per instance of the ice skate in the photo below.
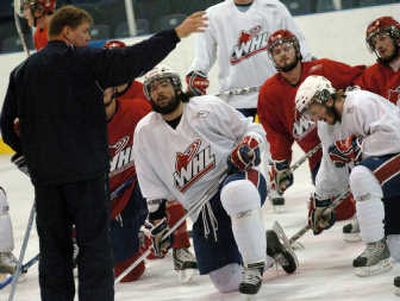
(397, 285)
(282, 255)
(351, 231)
(185, 264)
(8, 263)
(251, 278)
(375, 259)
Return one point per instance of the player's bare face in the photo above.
(384, 46)
(163, 96)
(319, 112)
(284, 56)
(80, 36)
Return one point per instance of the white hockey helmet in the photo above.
(158, 73)
(314, 89)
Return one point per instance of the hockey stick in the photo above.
(17, 6)
(289, 241)
(22, 253)
(24, 269)
(238, 91)
(306, 156)
(196, 206)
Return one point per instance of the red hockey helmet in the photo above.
(114, 44)
(282, 36)
(385, 24)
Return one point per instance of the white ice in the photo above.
(325, 271)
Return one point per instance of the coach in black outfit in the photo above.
(57, 96)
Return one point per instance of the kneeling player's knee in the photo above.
(227, 278)
(240, 196)
(364, 184)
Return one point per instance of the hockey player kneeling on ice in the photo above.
(8, 263)
(369, 134)
(181, 151)
(125, 105)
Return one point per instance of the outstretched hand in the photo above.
(196, 22)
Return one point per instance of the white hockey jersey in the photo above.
(182, 163)
(239, 40)
(375, 119)
(330, 180)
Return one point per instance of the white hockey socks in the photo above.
(393, 242)
(370, 210)
(6, 234)
(241, 201)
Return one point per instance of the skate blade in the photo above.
(186, 276)
(379, 268)
(352, 237)
(245, 297)
(278, 209)
(397, 291)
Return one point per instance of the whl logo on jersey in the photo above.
(192, 164)
(302, 126)
(249, 43)
(122, 155)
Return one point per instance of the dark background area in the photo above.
(150, 15)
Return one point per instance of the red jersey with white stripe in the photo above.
(121, 127)
(276, 108)
(382, 80)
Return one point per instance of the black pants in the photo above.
(85, 204)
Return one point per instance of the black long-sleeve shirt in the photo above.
(57, 95)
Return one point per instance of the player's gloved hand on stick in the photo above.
(197, 83)
(160, 244)
(320, 217)
(345, 151)
(245, 155)
(281, 176)
(19, 161)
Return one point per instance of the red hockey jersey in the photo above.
(121, 127)
(276, 108)
(381, 80)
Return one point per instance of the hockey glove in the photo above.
(160, 243)
(281, 176)
(320, 216)
(197, 83)
(345, 151)
(245, 155)
(19, 161)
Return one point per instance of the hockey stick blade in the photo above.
(289, 241)
(284, 240)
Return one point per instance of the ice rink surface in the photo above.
(325, 271)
